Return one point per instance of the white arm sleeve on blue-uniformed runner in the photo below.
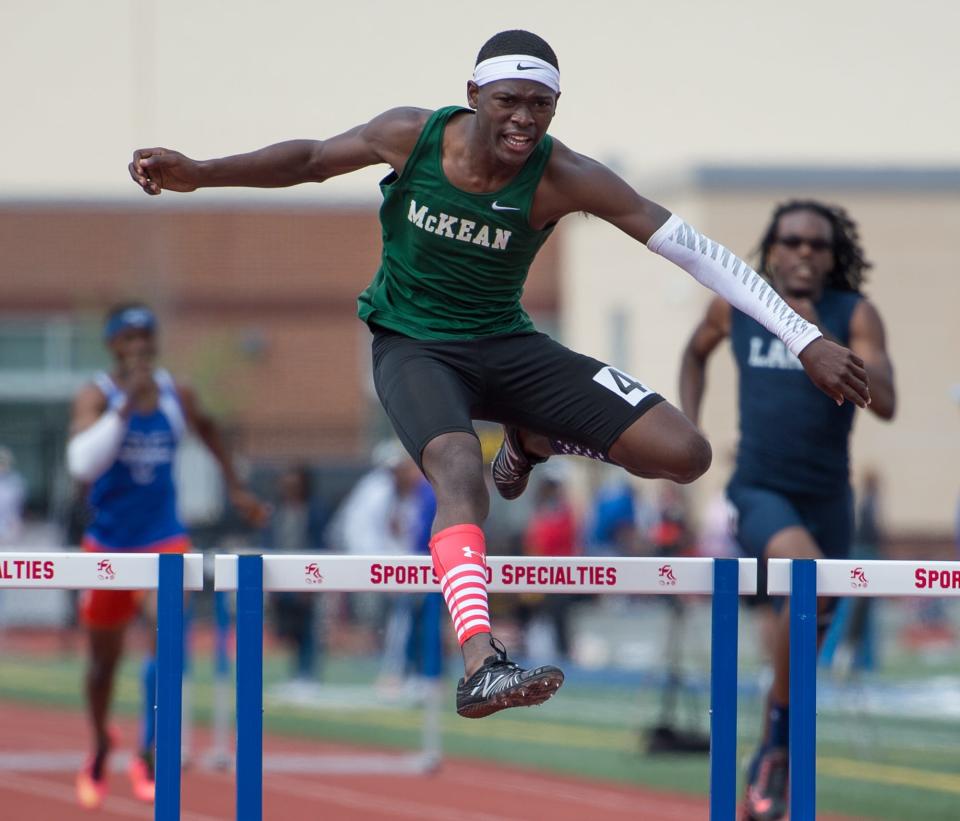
(726, 274)
(92, 451)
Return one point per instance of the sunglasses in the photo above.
(815, 244)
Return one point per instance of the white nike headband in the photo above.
(517, 67)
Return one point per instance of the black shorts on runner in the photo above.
(430, 387)
(762, 512)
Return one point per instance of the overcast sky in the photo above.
(651, 88)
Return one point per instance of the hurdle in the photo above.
(251, 576)
(806, 579)
(170, 575)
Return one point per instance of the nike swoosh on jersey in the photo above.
(497, 207)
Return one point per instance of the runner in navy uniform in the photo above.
(791, 488)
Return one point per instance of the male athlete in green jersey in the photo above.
(472, 195)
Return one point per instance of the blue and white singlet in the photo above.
(135, 502)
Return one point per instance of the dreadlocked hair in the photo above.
(850, 264)
(517, 41)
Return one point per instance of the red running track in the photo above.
(460, 791)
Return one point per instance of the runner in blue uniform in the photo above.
(125, 429)
(791, 488)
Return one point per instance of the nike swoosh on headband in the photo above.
(521, 67)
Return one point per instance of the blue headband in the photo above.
(138, 318)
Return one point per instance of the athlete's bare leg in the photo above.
(106, 647)
(789, 543)
(453, 464)
(661, 444)
(149, 615)
(767, 775)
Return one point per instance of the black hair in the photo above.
(850, 263)
(517, 41)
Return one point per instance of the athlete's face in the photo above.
(134, 351)
(512, 116)
(801, 255)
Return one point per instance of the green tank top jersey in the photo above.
(454, 263)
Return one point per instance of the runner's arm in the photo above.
(712, 330)
(387, 138)
(578, 183)
(96, 433)
(868, 340)
(206, 427)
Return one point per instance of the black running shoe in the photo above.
(766, 798)
(511, 466)
(500, 684)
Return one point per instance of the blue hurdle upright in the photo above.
(251, 576)
(170, 575)
(804, 580)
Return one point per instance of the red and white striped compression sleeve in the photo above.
(460, 562)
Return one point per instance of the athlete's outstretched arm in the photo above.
(869, 341)
(96, 432)
(97, 427)
(577, 183)
(205, 426)
(712, 330)
(387, 138)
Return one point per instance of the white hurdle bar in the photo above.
(505, 574)
(804, 580)
(875, 577)
(169, 575)
(250, 575)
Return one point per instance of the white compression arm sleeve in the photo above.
(726, 274)
(91, 452)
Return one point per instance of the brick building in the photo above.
(257, 308)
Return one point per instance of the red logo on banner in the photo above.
(667, 576)
(858, 578)
(105, 571)
(312, 573)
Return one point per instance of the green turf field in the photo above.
(869, 766)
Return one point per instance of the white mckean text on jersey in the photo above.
(457, 228)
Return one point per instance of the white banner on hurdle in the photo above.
(875, 577)
(505, 574)
(92, 571)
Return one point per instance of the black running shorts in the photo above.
(528, 380)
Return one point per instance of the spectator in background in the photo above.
(551, 532)
(382, 515)
(297, 526)
(853, 624)
(671, 537)
(13, 492)
(621, 519)
(370, 520)
(425, 638)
